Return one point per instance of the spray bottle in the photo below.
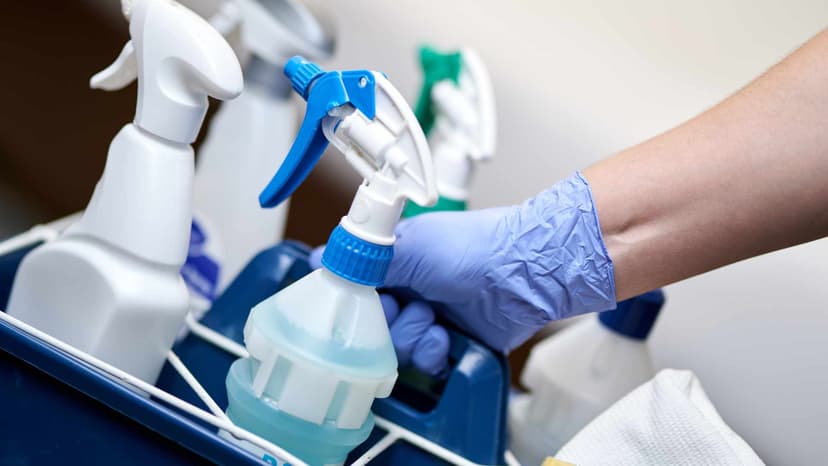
(110, 285)
(244, 143)
(457, 112)
(579, 372)
(320, 349)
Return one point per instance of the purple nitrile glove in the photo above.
(501, 274)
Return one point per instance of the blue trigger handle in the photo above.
(323, 91)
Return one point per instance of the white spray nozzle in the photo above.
(179, 60)
(391, 153)
(466, 111)
(275, 30)
(367, 119)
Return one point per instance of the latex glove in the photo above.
(502, 274)
(418, 341)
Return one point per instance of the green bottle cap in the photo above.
(443, 204)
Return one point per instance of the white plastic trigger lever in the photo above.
(119, 74)
(476, 79)
(466, 112)
(393, 139)
(124, 69)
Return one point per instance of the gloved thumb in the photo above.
(414, 248)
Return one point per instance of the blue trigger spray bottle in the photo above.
(320, 349)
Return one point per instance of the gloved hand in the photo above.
(502, 274)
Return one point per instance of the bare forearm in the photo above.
(746, 177)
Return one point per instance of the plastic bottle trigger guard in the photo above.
(362, 114)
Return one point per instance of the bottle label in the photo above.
(201, 270)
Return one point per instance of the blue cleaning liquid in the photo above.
(314, 443)
(268, 272)
(310, 380)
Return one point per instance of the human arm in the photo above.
(744, 178)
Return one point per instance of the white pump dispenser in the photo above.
(245, 144)
(110, 285)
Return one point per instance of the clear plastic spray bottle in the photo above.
(320, 350)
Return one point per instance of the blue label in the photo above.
(200, 271)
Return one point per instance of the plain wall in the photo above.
(577, 81)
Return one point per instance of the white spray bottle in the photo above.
(110, 285)
(579, 372)
(320, 350)
(456, 108)
(244, 146)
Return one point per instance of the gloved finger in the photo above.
(412, 324)
(315, 258)
(391, 308)
(440, 254)
(407, 252)
(431, 353)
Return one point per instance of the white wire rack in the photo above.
(215, 416)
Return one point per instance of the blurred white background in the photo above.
(577, 81)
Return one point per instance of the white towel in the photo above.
(667, 421)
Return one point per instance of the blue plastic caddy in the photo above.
(60, 410)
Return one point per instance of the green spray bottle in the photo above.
(456, 111)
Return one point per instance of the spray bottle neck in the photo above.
(361, 247)
(375, 210)
(355, 259)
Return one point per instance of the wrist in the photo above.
(556, 237)
(630, 224)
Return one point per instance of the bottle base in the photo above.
(316, 444)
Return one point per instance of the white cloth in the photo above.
(667, 421)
